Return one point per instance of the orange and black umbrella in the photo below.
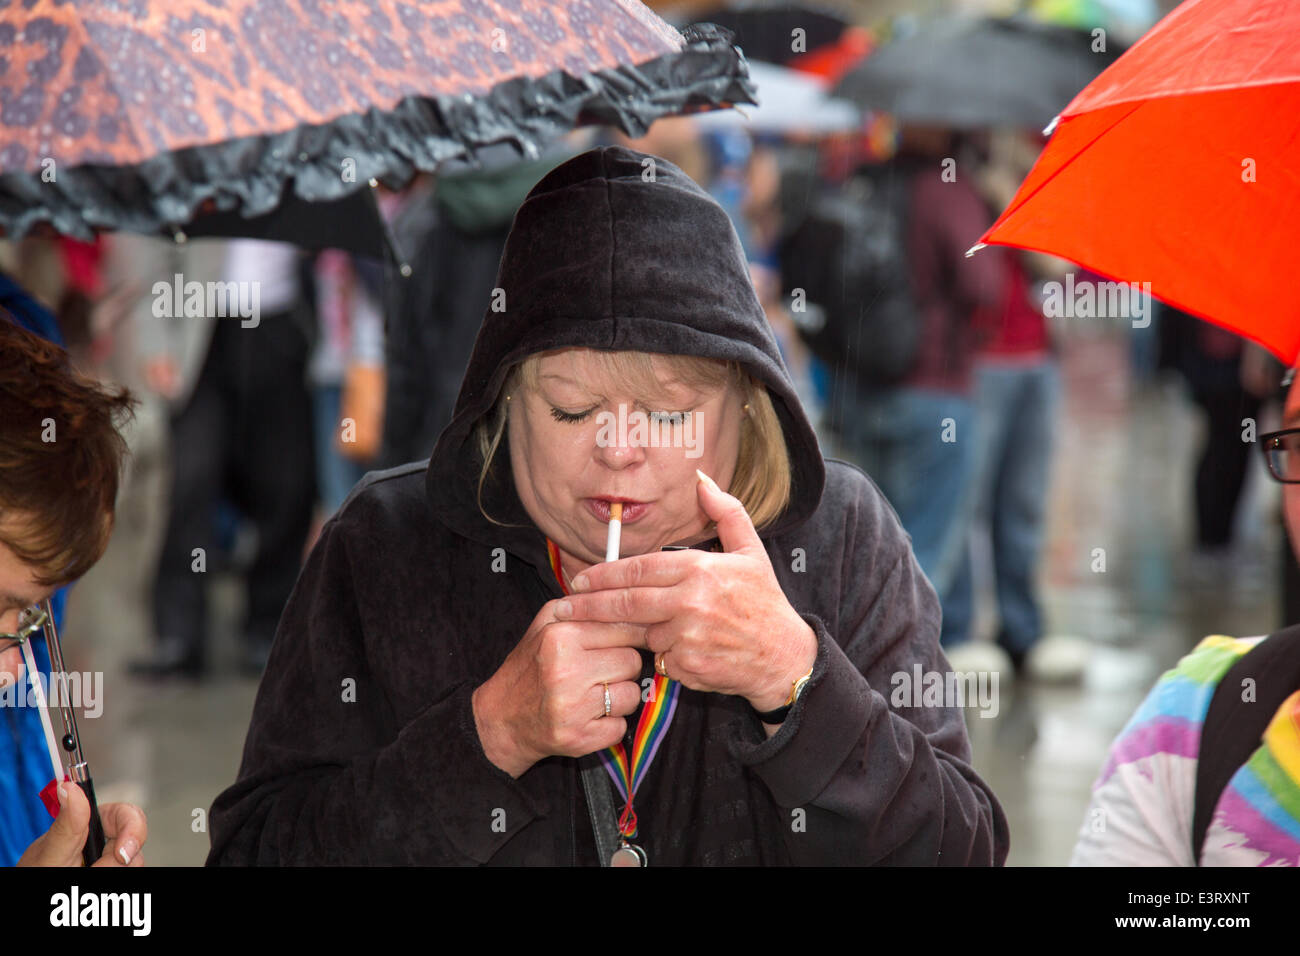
(1177, 167)
(141, 115)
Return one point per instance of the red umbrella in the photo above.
(1177, 167)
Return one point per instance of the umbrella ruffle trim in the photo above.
(332, 160)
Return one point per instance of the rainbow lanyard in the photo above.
(656, 715)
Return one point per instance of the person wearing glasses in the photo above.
(60, 459)
(1207, 771)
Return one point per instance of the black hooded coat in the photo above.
(363, 747)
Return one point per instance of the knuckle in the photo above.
(623, 604)
(629, 698)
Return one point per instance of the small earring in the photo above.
(746, 407)
(507, 398)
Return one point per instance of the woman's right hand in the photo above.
(547, 698)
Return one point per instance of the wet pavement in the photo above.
(1121, 481)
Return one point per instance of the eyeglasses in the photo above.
(30, 620)
(1282, 453)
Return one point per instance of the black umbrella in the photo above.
(768, 33)
(353, 224)
(969, 73)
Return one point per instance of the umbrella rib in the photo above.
(1011, 210)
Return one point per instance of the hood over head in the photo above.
(622, 251)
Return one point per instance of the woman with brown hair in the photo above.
(60, 459)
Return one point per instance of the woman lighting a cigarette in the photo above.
(562, 640)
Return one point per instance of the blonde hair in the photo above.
(762, 475)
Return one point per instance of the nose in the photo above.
(621, 446)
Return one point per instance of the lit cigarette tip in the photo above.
(615, 530)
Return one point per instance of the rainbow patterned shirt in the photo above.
(1141, 809)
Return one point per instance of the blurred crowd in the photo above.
(263, 424)
(267, 423)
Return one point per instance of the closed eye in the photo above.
(562, 416)
(670, 418)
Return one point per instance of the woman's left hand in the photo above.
(721, 621)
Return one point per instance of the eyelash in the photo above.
(562, 416)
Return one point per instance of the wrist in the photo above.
(497, 742)
(796, 665)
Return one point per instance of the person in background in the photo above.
(917, 439)
(1211, 359)
(56, 516)
(241, 431)
(1017, 398)
(457, 237)
(346, 371)
(1232, 705)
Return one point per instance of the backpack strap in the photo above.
(1234, 727)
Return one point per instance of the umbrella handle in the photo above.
(95, 841)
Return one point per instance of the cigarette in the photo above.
(615, 530)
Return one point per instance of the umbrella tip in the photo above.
(976, 248)
(1051, 127)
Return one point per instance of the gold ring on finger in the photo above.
(608, 709)
(659, 664)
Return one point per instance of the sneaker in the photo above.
(979, 656)
(172, 658)
(1057, 659)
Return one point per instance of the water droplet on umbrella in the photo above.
(405, 270)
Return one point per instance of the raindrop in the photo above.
(180, 237)
(405, 270)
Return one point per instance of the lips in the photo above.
(632, 510)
